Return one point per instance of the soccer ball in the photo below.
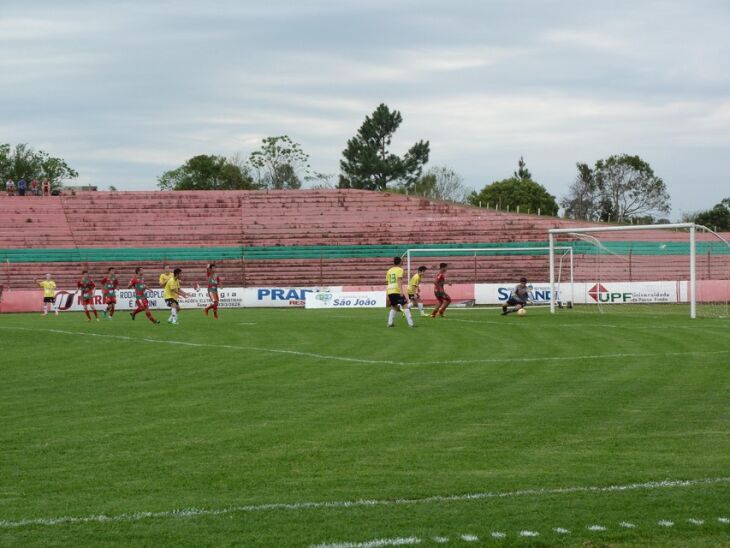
(521, 312)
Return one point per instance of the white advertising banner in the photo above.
(230, 297)
(349, 299)
(486, 294)
(589, 293)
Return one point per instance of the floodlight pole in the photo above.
(552, 272)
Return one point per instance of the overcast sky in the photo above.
(126, 90)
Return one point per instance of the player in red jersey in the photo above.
(109, 286)
(86, 288)
(214, 282)
(140, 295)
(439, 290)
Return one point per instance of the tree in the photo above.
(621, 188)
(629, 186)
(24, 162)
(519, 191)
(278, 163)
(583, 200)
(207, 172)
(717, 218)
(439, 183)
(522, 171)
(512, 193)
(367, 161)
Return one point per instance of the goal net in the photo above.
(495, 269)
(676, 268)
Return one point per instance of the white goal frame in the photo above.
(551, 254)
(692, 254)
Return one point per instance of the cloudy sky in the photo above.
(125, 90)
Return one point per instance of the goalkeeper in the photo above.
(518, 299)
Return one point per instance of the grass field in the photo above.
(294, 427)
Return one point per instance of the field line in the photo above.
(359, 503)
(529, 359)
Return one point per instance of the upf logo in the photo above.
(600, 294)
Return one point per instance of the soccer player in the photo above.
(439, 291)
(140, 295)
(109, 286)
(86, 288)
(49, 294)
(519, 297)
(394, 290)
(172, 293)
(414, 291)
(166, 275)
(214, 282)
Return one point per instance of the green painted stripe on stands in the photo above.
(257, 253)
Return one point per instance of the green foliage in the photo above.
(367, 161)
(517, 191)
(583, 200)
(522, 171)
(207, 172)
(278, 162)
(628, 184)
(438, 183)
(512, 193)
(717, 218)
(24, 162)
(621, 188)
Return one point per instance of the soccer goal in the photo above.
(493, 269)
(683, 267)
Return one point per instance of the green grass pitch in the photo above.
(276, 427)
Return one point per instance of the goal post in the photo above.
(649, 264)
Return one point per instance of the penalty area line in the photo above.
(359, 503)
(578, 357)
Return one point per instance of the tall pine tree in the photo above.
(367, 161)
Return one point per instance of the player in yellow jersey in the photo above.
(395, 295)
(49, 294)
(166, 275)
(172, 293)
(414, 291)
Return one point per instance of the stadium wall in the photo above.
(305, 238)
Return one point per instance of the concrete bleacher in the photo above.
(306, 237)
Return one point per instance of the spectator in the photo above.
(34, 187)
(22, 185)
(46, 187)
(10, 187)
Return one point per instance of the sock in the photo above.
(420, 307)
(87, 314)
(149, 316)
(95, 314)
(173, 315)
(111, 312)
(138, 310)
(391, 317)
(215, 310)
(408, 317)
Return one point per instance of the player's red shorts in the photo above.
(110, 300)
(142, 303)
(442, 296)
(87, 302)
